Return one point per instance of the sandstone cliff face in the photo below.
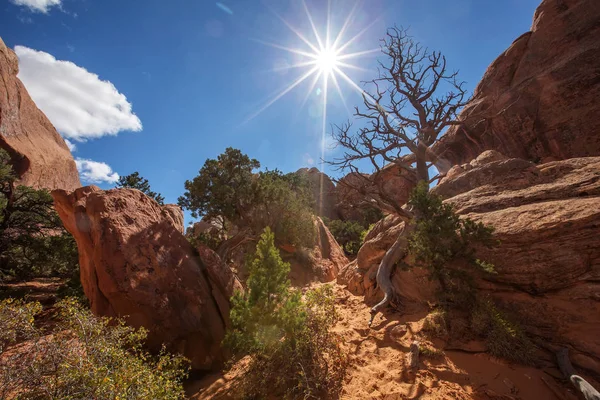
(547, 218)
(40, 156)
(541, 96)
(136, 263)
(548, 221)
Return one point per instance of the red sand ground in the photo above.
(379, 368)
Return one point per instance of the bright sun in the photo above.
(327, 60)
(324, 58)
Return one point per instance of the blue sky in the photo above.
(194, 71)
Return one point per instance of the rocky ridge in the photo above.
(538, 100)
(39, 155)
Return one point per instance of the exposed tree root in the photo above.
(587, 390)
(384, 273)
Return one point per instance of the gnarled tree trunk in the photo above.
(384, 272)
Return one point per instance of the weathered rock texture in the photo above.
(547, 218)
(354, 191)
(39, 155)
(541, 97)
(324, 192)
(135, 263)
(329, 256)
(175, 213)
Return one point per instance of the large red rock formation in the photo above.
(136, 263)
(40, 156)
(541, 97)
(547, 218)
(354, 191)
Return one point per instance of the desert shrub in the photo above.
(441, 236)
(504, 338)
(84, 357)
(349, 234)
(435, 323)
(16, 321)
(431, 352)
(293, 352)
(209, 240)
(305, 257)
(364, 233)
(33, 241)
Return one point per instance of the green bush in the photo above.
(284, 203)
(349, 234)
(84, 357)
(435, 323)
(293, 351)
(503, 337)
(228, 188)
(441, 236)
(33, 241)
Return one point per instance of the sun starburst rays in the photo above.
(323, 58)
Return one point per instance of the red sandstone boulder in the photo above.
(135, 263)
(359, 276)
(175, 214)
(39, 155)
(541, 97)
(547, 218)
(354, 190)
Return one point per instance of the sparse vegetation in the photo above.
(435, 324)
(349, 234)
(293, 351)
(431, 352)
(135, 181)
(84, 357)
(441, 236)
(33, 241)
(504, 338)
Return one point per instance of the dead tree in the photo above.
(406, 109)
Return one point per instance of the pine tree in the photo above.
(269, 309)
(135, 181)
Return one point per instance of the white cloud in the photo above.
(95, 172)
(79, 104)
(38, 5)
(70, 145)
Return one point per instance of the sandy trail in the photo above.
(379, 367)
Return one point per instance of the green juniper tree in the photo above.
(293, 351)
(231, 190)
(33, 241)
(135, 181)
